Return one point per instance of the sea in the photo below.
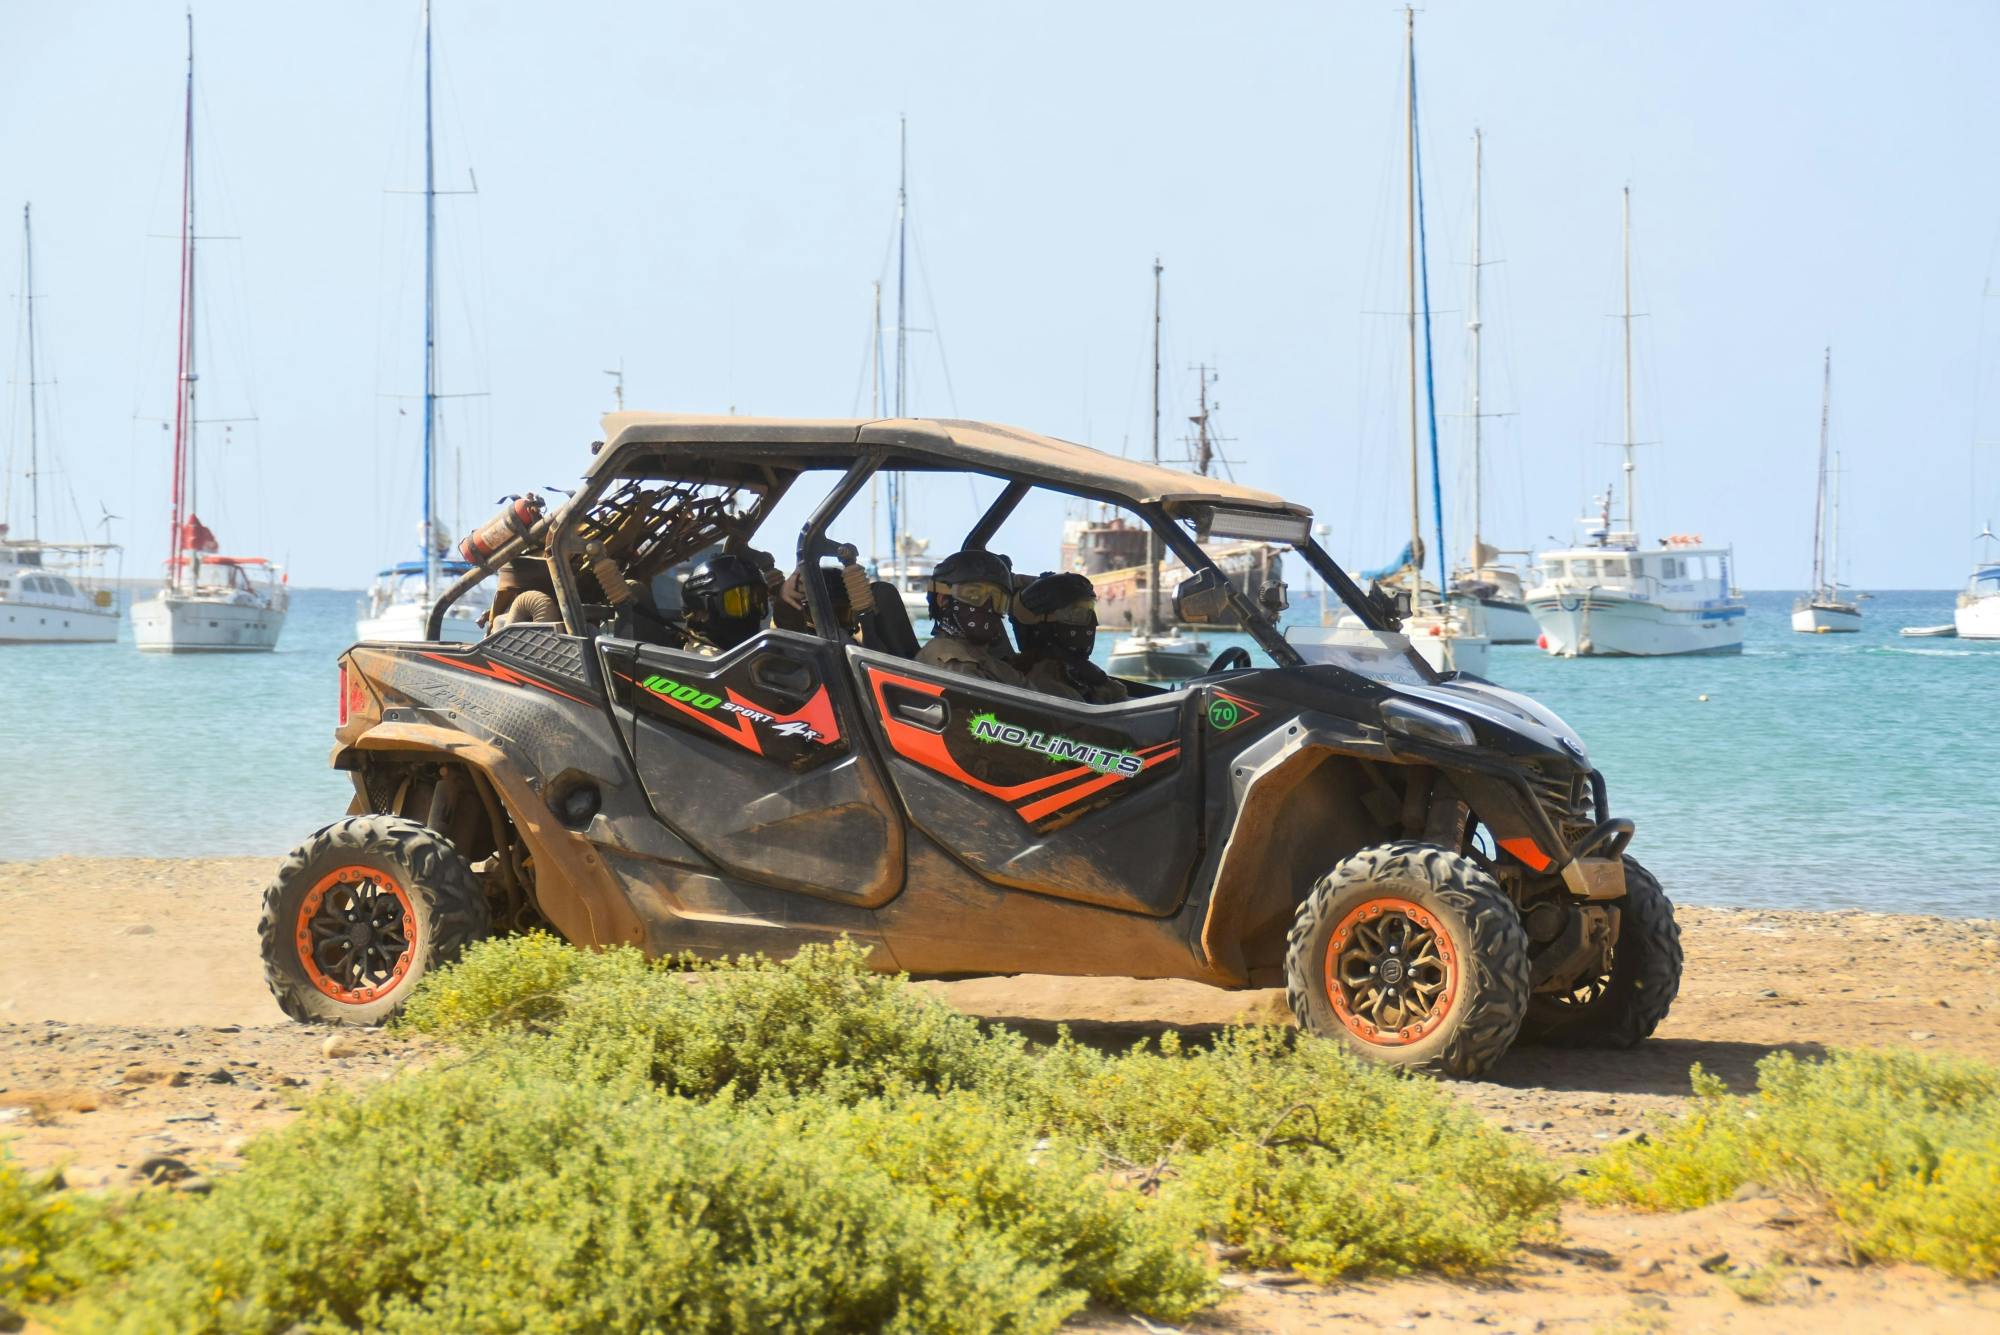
(1821, 772)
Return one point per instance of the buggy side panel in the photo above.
(1080, 802)
(749, 757)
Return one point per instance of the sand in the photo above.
(135, 1028)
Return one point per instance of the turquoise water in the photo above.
(1822, 771)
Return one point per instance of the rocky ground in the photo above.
(137, 1042)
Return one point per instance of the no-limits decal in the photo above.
(987, 728)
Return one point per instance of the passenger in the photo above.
(792, 610)
(1055, 623)
(970, 594)
(724, 600)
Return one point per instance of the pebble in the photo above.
(138, 929)
(338, 1046)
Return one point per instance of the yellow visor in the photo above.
(979, 593)
(742, 600)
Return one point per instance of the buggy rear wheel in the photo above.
(1624, 1005)
(361, 911)
(1412, 956)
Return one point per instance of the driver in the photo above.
(970, 594)
(724, 601)
(1055, 622)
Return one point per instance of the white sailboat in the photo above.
(49, 591)
(1824, 611)
(1491, 592)
(1157, 653)
(1446, 636)
(1613, 597)
(211, 603)
(399, 601)
(1978, 614)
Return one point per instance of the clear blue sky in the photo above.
(706, 192)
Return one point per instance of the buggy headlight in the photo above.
(1407, 719)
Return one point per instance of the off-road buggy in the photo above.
(1427, 864)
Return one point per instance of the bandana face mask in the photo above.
(979, 624)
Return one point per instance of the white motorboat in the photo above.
(1824, 611)
(398, 608)
(210, 603)
(1166, 656)
(1612, 597)
(1494, 599)
(49, 591)
(1978, 614)
(1947, 631)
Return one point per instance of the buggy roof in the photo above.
(914, 444)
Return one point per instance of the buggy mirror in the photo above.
(1201, 597)
(1274, 598)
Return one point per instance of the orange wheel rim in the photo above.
(356, 934)
(1391, 972)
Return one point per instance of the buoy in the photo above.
(1542, 642)
(1702, 698)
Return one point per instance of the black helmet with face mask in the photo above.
(970, 595)
(1057, 613)
(725, 598)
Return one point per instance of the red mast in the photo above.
(184, 336)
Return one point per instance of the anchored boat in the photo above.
(211, 603)
(1824, 611)
(1614, 597)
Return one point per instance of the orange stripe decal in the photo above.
(1525, 849)
(501, 673)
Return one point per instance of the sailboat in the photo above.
(49, 591)
(1443, 635)
(1978, 613)
(211, 603)
(1612, 597)
(1157, 654)
(399, 602)
(1491, 592)
(1823, 610)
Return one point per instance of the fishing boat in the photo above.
(1491, 591)
(210, 603)
(50, 592)
(1443, 634)
(1824, 611)
(1611, 596)
(399, 602)
(1158, 652)
(1112, 551)
(1978, 613)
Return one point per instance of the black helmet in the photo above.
(970, 594)
(1057, 613)
(725, 599)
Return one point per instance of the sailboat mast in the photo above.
(1631, 469)
(902, 330)
(1819, 491)
(1478, 149)
(874, 413)
(430, 329)
(1152, 537)
(183, 477)
(1410, 228)
(1833, 536)
(34, 447)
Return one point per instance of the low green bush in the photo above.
(31, 1232)
(493, 1198)
(1903, 1149)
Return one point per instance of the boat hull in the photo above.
(28, 623)
(1166, 658)
(408, 623)
(1979, 619)
(172, 623)
(1826, 619)
(1459, 651)
(1592, 625)
(1122, 598)
(1502, 620)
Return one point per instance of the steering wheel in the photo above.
(1233, 659)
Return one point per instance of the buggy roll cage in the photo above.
(771, 482)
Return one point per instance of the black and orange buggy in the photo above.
(1429, 865)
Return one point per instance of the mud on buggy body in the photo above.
(1429, 866)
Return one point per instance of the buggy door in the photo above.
(1094, 803)
(749, 756)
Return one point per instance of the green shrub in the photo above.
(1903, 1149)
(508, 980)
(31, 1228)
(490, 1197)
(1305, 1154)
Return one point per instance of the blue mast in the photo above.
(430, 329)
(1430, 366)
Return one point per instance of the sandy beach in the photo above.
(135, 1028)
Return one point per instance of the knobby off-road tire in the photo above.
(1622, 1008)
(361, 911)
(1460, 971)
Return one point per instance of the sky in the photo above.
(703, 195)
